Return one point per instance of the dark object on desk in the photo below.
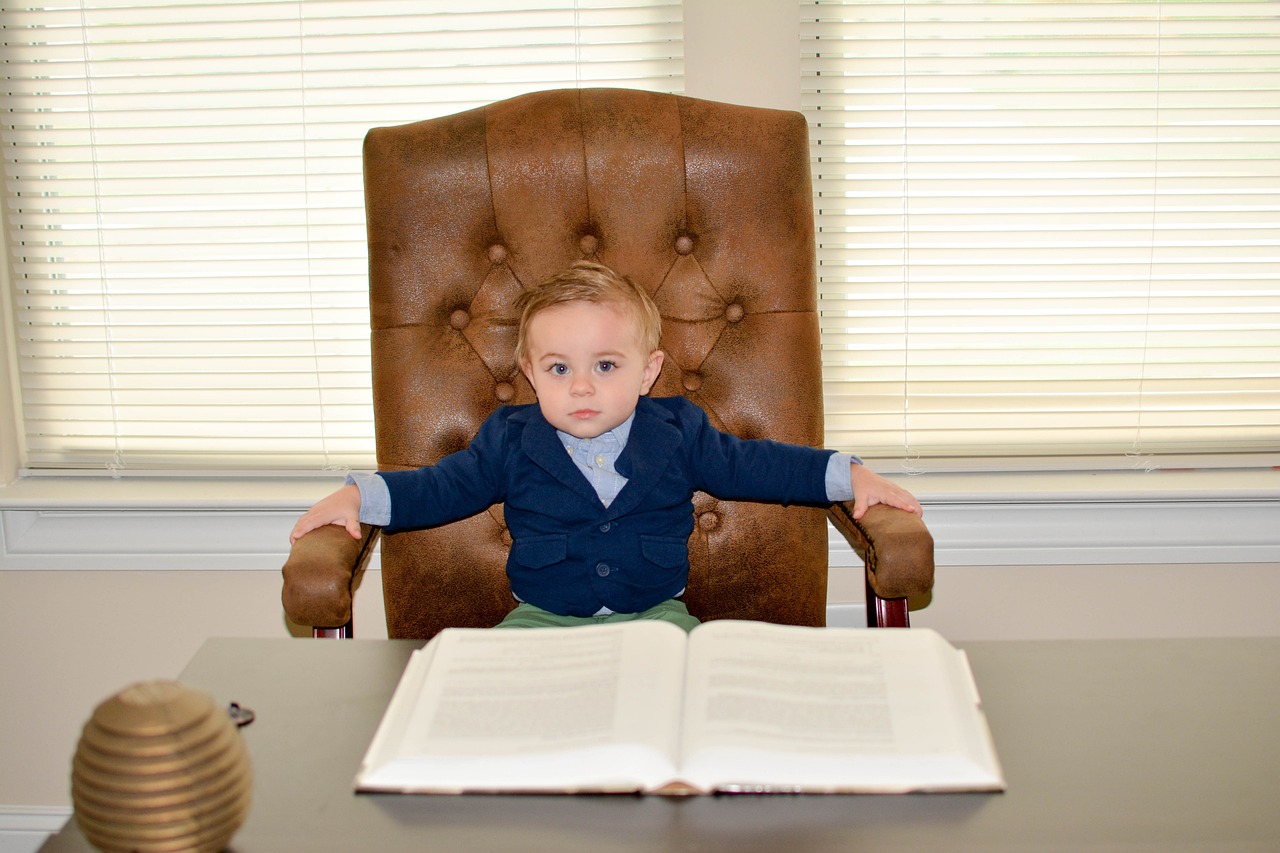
(160, 767)
(708, 206)
(240, 715)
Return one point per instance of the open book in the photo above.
(643, 707)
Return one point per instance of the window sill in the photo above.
(1006, 519)
(1092, 487)
(296, 493)
(191, 494)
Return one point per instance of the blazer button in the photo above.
(602, 569)
(606, 527)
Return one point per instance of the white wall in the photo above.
(103, 584)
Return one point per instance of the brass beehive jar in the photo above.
(160, 768)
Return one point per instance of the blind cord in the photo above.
(1142, 460)
(117, 460)
(910, 457)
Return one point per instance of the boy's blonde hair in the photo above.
(587, 281)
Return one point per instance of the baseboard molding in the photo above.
(24, 828)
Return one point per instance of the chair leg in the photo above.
(886, 612)
(342, 633)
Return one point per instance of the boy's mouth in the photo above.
(583, 414)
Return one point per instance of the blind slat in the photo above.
(185, 204)
(1047, 229)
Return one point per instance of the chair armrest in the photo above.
(895, 545)
(322, 572)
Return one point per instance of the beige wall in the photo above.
(69, 639)
(743, 52)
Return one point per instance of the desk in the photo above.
(1168, 745)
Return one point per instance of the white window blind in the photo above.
(1049, 232)
(184, 205)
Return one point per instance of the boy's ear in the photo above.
(651, 370)
(526, 367)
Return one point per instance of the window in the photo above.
(185, 211)
(1049, 232)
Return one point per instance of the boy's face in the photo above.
(588, 366)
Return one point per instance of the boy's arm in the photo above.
(372, 506)
(869, 489)
(341, 508)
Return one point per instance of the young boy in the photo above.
(597, 478)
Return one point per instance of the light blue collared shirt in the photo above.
(597, 457)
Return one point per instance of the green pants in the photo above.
(527, 616)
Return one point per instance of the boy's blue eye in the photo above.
(606, 366)
(559, 369)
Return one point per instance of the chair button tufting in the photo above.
(734, 312)
(588, 245)
(708, 521)
(691, 381)
(497, 254)
(459, 319)
(505, 392)
(684, 245)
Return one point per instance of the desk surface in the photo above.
(1167, 745)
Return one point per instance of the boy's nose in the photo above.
(580, 387)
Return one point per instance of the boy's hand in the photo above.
(341, 508)
(869, 489)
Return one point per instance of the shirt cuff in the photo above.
(840, 477)
(375, 498)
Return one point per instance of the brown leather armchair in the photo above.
(709, 207)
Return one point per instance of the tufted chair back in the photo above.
(705, 205)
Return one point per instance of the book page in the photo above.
(594, 708)
(784, 708)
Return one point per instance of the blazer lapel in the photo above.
(653, 442)
(542, 446)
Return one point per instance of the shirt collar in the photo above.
(619, 434)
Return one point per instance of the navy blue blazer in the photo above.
(570, 554)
